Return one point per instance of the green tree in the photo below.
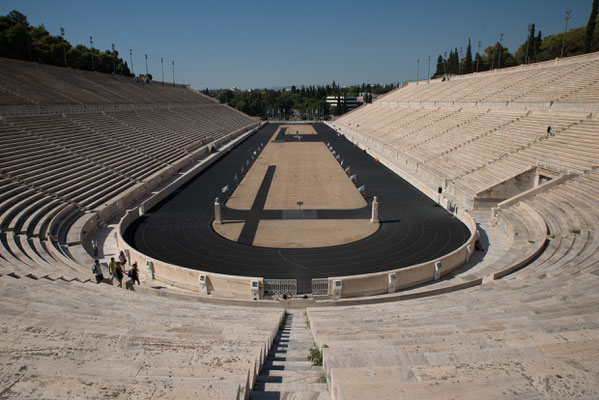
(590, 30)
(468, 60)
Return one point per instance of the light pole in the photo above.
(162, 68)
(460, 62)
(500, 47)
(91, 50)
(478, 56)
(64, 51)
(173, 72)
(113, 63)
(417, 70)
(147, 73)
(131, 58)
(567, 17)
(429, 70)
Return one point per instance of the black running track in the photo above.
(413, 228)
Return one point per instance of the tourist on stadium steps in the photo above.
(97, 271)
(112, 267)
(134, 275)
(119, 274)
(95, 247)
(122, 257)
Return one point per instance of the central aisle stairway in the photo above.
(287, 374)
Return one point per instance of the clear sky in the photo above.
(257, 44)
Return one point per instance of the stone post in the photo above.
(217, 212)
(375, 211)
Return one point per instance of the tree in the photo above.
(588, 40)
(439, 71)
(468, 60)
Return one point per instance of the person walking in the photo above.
(119, 274)
(112, 267)
(97, 271)
(134, 275)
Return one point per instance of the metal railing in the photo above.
(320, 286)
(280, 286)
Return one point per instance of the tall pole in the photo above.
(478, 56)
(147, 73)
(429, 70)
(131, 58)
(64, 51)
(500, 48)
(417, 70)
(527, 43)
(460, 62)
(162, 68)
(91, 49)
(567, 17)
(173, 72)
(113, 63)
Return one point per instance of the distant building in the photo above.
(350, 101)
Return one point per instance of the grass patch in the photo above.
(322, 378)
(315, 355)
(576, 231)
(531, 241)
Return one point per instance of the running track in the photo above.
(413, 228)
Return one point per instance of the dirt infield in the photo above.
(306, 177)
(302, 233)
(305, 172)
(298, 129)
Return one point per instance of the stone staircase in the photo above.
(287, 374)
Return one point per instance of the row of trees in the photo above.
(21, 41)
(306, 100)
(534, 49)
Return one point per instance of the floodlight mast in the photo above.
(417, 71)
(131, 58)
(147, 73)
(500, 50)
(478, 56)
(91, 46)
(174, 73)
(567, 18)
(162, 68)
(113, 63)
(428, 77)
(64, 51)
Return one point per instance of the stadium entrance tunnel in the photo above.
(296, 205)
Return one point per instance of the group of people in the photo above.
(117, 271)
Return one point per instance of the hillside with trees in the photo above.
(535, 48)
(307, 101)
(19, 40)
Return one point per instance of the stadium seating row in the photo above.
(83, 340)
(31, 84)
(532, 334)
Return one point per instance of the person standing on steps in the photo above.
(95, 247)
(122, 258)
(97, 271)
(134, 275)
(119, 274)
(112, 267)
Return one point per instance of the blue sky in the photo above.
(257, 44)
